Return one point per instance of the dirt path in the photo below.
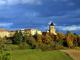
(75, 54)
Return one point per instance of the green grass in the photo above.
(12, 45)
(32, 54)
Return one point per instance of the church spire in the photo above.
(51, 24)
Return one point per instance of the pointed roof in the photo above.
(51, 24)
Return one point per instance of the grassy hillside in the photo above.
(32, 54)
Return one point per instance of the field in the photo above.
(32, 54)
(75, 54)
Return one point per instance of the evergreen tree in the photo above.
(17, 38)
(74, 34)
(68, 32)
(25, 35)
(20, 37)
(75, 43)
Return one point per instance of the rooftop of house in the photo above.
(31, 29)
(2, 29)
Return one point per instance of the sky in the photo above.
(38, 14)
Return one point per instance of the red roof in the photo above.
(31, 28)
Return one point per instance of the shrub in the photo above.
(58, 46)
(8, 41)
(6, 56)
(4, 46)
(23, 45)
(43, 47)
(32, 42)
(77, 48)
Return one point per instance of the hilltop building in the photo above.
(32, 31)
(4, 33)
(51, 29)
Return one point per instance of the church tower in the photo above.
(51, 28)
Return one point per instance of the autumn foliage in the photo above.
(49, 40)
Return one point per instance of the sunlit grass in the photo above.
(32, 54)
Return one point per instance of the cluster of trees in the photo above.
(69, 40)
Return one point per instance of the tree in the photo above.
(17, 38)
(40, 38)
(30, 35)
(60, 37)
(25, 35)
(75, 43)
(69, 42)
(36, 36)
(78, 39)
(32, 42)
(69, 33)
(52, 36)
(47, 39)
(20, 37)
(74, 34)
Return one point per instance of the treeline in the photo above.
(46, 41)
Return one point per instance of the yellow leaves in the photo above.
(47, 39)
(40, 38)
(57, 37)
(69, 42)
(60, 37)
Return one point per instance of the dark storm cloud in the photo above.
(29, 14)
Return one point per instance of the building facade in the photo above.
(51, 29)
(32, 31)
(4, 33)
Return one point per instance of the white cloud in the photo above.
(47, 27)
(15, 2)
(5, 24)
(71, 28)
(49, 22)
(38, 2)
(61, 0)
(2, 2)
(12, 2)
